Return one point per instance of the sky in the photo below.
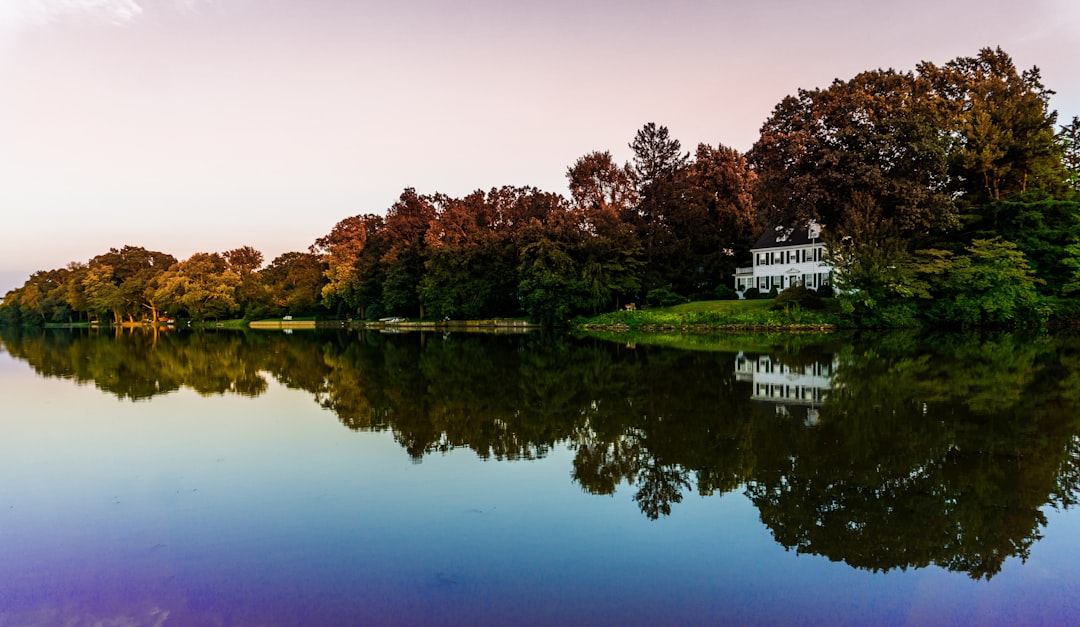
(204, 125)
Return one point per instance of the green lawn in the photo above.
(718, 314)
(721, 306)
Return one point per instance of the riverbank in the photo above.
(717, 316)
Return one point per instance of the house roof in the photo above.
(782, 236)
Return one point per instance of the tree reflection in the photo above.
(941, 453)
(881, 451)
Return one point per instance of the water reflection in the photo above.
(885, 452)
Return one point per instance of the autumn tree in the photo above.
(352, 254)
(605, 191)
(406, 223)
(473, 250)
(605, 198)
(878, 134)
(203, 285)
(294, 282)
(717, 224)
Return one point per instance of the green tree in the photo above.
(549, 285)
(658, 167)
(1001, 127)
(1071, 262)
(1069, 138)
(993, 284)
(103, 295)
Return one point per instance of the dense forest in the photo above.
(949, 194)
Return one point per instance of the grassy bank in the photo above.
(716, 315)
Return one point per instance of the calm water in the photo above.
(351, 478)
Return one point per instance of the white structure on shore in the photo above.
(786, 256)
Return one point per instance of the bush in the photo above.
(663, 297)
(825, 291)
(798, 295)
(751, 293)
(1064, 312)
(725, 293)
(774, 292)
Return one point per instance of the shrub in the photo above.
(798, 295)
(751, 293)
(825, 291)
(663, 297)
(725, 293)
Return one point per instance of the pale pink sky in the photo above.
(204, 125)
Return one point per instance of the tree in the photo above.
(352, 252)
(1042, 229)
(718, 223)
(878, 134)
(1069, 138)
(122, 281)
(1000, 124)
(294, 282)
(406, 223)
(251, 296)
(103, 295)
(604, 191)
(658, 168)
(203, 285)
(1071, 261)
(993, 284)
(878, 280)
(549, 285)
(471, 270)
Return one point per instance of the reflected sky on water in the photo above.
(293, 506)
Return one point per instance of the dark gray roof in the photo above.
(780, 236)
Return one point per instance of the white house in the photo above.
(786, 256)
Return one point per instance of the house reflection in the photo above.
(786, 389)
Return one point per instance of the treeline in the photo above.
(132, 284)
(949, 194)
(664, 227)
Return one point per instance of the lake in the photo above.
(275, 478)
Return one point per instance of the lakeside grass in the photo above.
(715, 315)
